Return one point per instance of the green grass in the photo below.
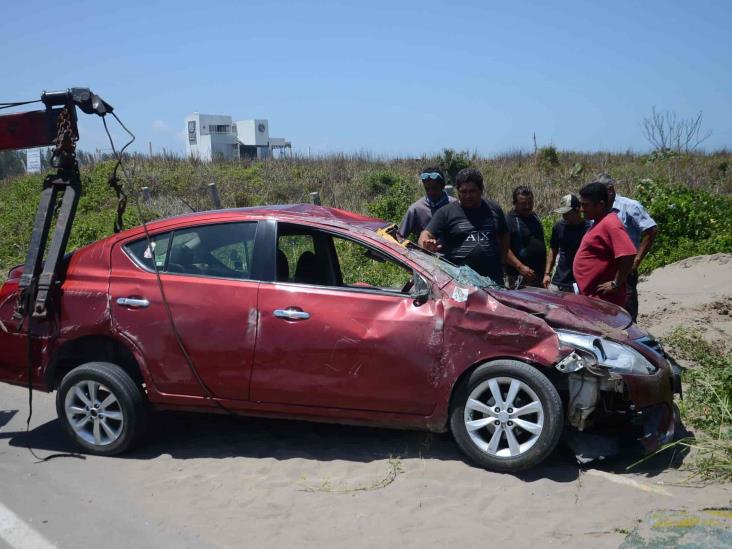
(707, 403)
(689, 194)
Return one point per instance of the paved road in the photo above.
(213, 481)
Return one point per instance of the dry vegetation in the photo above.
(381, 187)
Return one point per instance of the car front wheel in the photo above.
(506, 416)
(102, 409)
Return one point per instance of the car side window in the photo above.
(364, 267)
(222, 250)
(291, 254)
(310, 256)
(144, 252)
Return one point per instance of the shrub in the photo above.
(452, 162)
(394, 198)
(547, 158)
(691, 222)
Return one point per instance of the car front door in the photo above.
(339, 329)
(207, 276)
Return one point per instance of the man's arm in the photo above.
(625, 266)
(428, 241)
(509, 258)
(515, 262)
(405, 227)
(550, 257)
(647, 238)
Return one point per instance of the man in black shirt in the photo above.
(566, 236)
(527, 254)
(472, 230)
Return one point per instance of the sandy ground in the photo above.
(694, 293)
(212, 481)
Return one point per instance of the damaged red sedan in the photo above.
(317, 313)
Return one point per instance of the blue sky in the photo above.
(392, 78)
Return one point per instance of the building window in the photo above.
(192, 132)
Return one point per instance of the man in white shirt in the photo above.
(642, 230)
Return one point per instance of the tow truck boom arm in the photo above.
(56, 125)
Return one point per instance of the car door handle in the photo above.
(291, 314)
(134, 302)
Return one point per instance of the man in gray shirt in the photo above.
(420, 213)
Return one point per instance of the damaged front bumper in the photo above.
(610, 410)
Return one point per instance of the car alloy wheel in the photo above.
(102, 408)
(94, 412)
(504, 417)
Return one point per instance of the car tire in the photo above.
(102, 409)
(529, 419)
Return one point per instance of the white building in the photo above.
(217, 137)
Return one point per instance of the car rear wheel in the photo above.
(102, 409)
(506, 416)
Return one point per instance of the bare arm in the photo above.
(625, 266)
(511, 259)
(550, 257)
(647, 238)
(428, 241)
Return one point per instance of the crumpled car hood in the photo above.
(568, 311)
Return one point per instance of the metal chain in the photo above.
(64, 152)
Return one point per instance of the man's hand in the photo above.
(431, 244)
(605, 288)
(428, 241)
(526, 272)
(546, 281)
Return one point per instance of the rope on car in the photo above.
(208, 395)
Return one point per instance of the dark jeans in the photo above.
(562, 288)
(631, 300)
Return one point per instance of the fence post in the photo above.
(315, 198)
(213, 192)
(146, 197)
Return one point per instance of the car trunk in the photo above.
(13, 338)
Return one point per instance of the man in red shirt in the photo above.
(605, 257)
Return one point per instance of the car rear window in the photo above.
(143, 252)
(221, 250)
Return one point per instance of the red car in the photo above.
(317, 313)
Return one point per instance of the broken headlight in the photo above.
(616, 357)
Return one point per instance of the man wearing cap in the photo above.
(642, 230)
(605, 256)
(420, 213)
(527, 254)
(566, 236)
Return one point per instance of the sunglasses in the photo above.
(430, 175)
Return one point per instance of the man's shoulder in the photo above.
(629, 205)
(447, 211)
(609, 221)
(452, 206)
(494, 206)
(451, 199)
(416, 205)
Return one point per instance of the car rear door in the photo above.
(332, 335)
(208, 278)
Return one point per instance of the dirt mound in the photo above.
(695, 293)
